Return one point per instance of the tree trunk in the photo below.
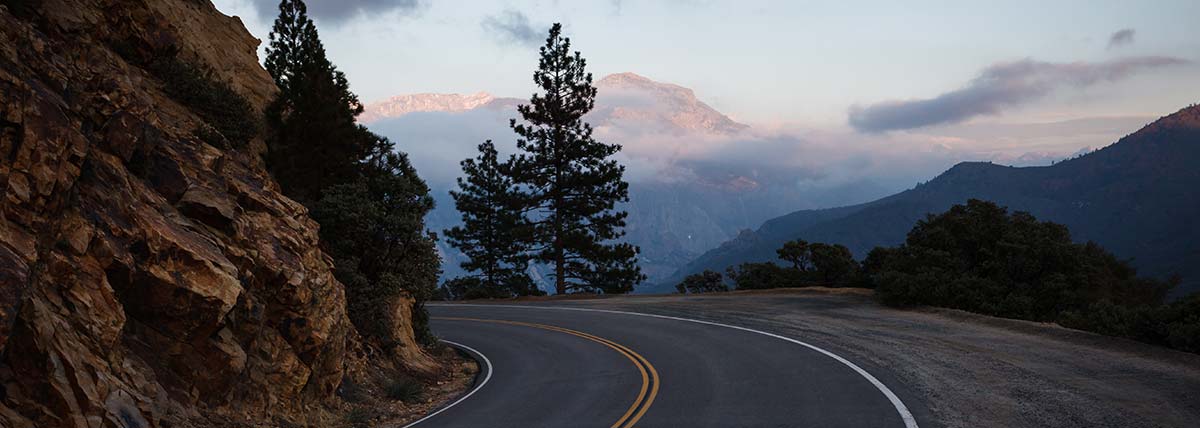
(560, 281)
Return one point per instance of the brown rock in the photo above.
(146, 278)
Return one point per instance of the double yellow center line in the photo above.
(649, 388)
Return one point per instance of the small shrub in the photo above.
(351, 391)
(405, 389)
(704, 282)
(759, 276)
(227, 112)
(361, 417)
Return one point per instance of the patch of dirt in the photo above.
(957, 369)
(370, 400)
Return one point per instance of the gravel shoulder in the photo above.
(962, 369)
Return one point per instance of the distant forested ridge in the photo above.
(1139, 198)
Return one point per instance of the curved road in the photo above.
(581, 368)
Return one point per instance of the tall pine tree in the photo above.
(494, 233)
(316, 142)
(572, 184)
(368, 199)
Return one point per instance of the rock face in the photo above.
(147, 278)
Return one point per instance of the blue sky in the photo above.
(769, 62)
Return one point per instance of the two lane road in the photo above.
(557, 367)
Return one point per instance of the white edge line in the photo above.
(909, 421)
(486, 378)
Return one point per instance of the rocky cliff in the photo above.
(149, 276)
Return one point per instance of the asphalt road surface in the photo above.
(547, 367)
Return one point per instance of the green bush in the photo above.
(361, 417)
(405, 389)
(980, 258)
(374, 230)
(760, 276)
(704, 282)
(222, 108)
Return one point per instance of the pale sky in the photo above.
(789, 62)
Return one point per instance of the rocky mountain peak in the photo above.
(624, 100)
(404, 104)
(635, 99)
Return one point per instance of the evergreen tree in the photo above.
(572, 185)
(374, 230)
(316, 142)
(368, 199)
(493, 234)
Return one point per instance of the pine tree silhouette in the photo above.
(494, 234)
(572, 185)
(316, 142)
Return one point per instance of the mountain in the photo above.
(623, 99)
(1139, 198)
(633, 99)
(404, 104)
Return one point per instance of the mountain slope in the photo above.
(1139, 197)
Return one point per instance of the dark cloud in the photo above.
(513, 26)
(998, 87)
(1121, 38)
(335, 12)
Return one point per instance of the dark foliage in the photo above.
(470, 287)
(495, 233)
(230, 116)
(374, 230)
(368, 199)
(571, 184)
(1175, 325)
(230, 120)
(759, 276)
(315, 141)
(813, 264)
(405, 389)
(981, 258)
(704, 282)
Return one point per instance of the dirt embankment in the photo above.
(964, 370)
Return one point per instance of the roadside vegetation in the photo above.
(703, 282)
(366, 196)
(981, 258)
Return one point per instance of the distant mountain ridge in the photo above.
(623, 99)
(404, 104)
(1139, 197)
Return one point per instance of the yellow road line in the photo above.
(650, 380)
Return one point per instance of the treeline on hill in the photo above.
(552, 202)
(979, 257)
(367, 198)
